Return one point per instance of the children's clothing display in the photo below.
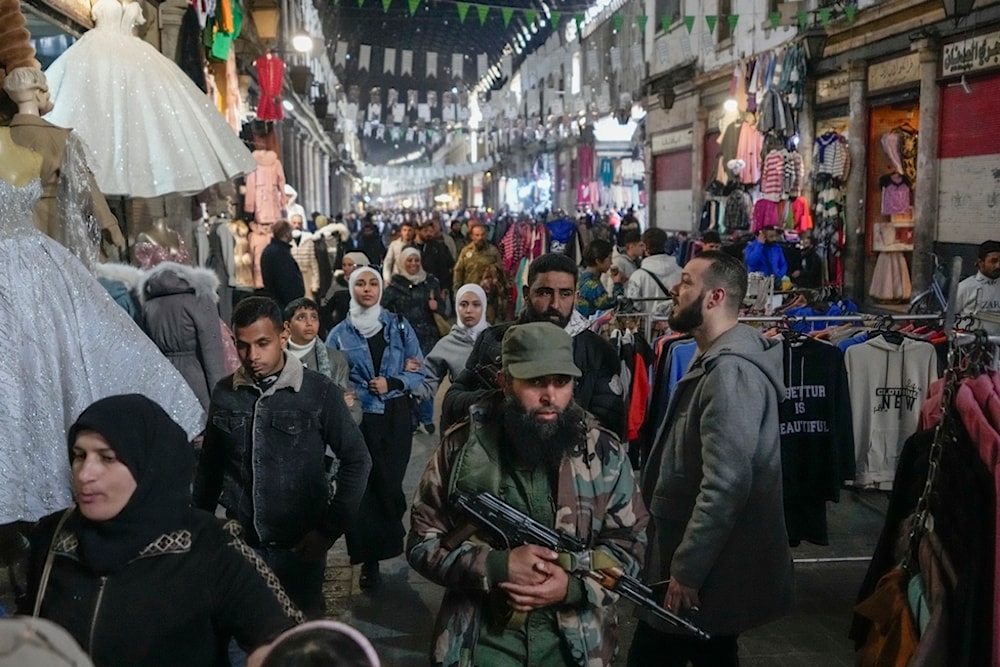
(151, 130)
(77, 349)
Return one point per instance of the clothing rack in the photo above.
(860, 317)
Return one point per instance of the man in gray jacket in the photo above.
(713, 479)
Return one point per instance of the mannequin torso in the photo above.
(18, 165)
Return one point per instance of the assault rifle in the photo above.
(512, 528)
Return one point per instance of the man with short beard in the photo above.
(712, 480)
(549, 296)
(536, 449)
(981, 292)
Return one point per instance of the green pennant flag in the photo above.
(733, 20)
(529, 16)
(483, 11)
(641, 22)
(711, 20)
(361, 3)
(689, 23)
(385, 5)
(617, 21)
(665, 23)
(851, 11)
(578, 17)
(414, 4)
(463, 11)
(803, 20)
(507, 12)
(775, 19)
(824, 15)
(556, 18)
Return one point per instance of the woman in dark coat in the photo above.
(413, 293)
(182, 317)
(135, 574)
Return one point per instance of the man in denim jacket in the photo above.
(270, 428)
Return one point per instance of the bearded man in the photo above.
(536, 449)
(712, 480)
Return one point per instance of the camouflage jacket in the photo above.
(596, 499)
(472, 264)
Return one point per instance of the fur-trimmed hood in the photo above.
(126, 274)
(172, 278)
(338, 228)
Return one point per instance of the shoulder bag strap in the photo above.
(44, 582)
(659, 284)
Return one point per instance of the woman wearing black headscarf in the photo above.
(135, 574)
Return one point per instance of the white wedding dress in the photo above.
(65, 345)
(150, 129)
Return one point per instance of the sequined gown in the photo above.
(65, 345)
(152, 131)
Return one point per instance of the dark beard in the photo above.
(536, 443)
(551, 315)
(686, 320)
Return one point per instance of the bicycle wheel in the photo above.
(923, 304)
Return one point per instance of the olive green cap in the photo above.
(537, 349)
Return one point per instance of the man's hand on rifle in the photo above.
(530, 565)
(680, 598)
(539, 582)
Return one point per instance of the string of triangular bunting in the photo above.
(777, 19)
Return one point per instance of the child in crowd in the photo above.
(302, 319)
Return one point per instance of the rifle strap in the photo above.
(587, 561)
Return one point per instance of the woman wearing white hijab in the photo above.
(378, 344)
(334, 304)
(451, 352)
(414, 294)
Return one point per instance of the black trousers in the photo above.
(652, 648)
(378, 530)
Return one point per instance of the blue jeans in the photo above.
(425, 411)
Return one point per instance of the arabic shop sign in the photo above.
(671, 141)
(894, 73)
(972, 54)
(832, 88)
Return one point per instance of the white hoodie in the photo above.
(888, 384)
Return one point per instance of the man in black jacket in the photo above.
(279, 270)
(549, 295)
(270, 425)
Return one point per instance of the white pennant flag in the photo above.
(341, 56)
(365, 57)
(638, 58)
(432, 64)
(406, 65)
(507, 64)
(592, 70)
(482, 64)
(457, 66)
(616, 59)
(389, 61)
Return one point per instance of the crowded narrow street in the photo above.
(399, 615)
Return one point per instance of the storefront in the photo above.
(968, 180)
(893, 87)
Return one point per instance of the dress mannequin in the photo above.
(159, 244)
(265, 191)
(81, 347)
(70, 196)
(243, 262)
